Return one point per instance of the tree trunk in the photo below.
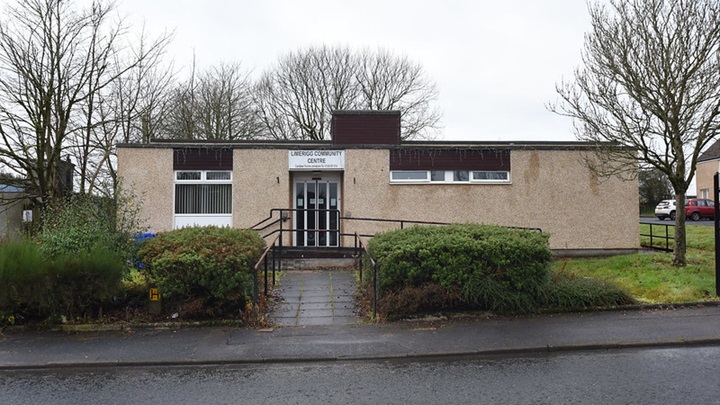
(679, 259)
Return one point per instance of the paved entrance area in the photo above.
(315, 297)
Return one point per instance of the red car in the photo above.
(697, 208)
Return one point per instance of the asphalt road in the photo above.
(636, 376)
(654, 220)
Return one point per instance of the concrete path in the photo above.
(315, 297)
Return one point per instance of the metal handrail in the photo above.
(263, 259)
(362, 248)
(264, 220)
(281, 210)
(401, 222)
(266, 226)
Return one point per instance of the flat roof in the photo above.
(294, 145)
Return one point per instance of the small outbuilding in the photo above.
(367, 179)
(15, 213)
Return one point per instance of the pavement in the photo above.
(178, 344)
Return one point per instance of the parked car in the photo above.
(665, 209)
(697, 208)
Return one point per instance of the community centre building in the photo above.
(367, 175)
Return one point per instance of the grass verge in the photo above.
(650, 276)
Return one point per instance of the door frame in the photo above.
(316, 178)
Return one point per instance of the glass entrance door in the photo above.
(317, 219)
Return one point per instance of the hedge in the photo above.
(478, 266)
(202, 262)
(33, 286)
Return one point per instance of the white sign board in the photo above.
(27, 215)
(316, 160)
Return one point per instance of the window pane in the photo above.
(184, 198)
(461, 175)
(219, 198)
(310, 214)
(323, 214)
(188, 175)
(300, 215)
(203, 199)
(490, 175)
(408, 175)
(437, 175)
(334, 214)
(218, 175)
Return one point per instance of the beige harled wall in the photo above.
(261, 181)
(704, 177)
(148, 173)
(551, 190)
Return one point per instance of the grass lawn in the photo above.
(650, 277)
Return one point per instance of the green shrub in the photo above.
(23, 276)
(69, 285)
(417, 300)
(487, 264)
(81, 223)
(425, 269)
(568, 292)
(479, 266)
(81, 282)
(202, 262)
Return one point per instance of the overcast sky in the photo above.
(496, 63)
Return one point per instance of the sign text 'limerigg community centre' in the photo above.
(316, 159)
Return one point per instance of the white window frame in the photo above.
(490, 181)
(183, 220)
(449, 177)
(394, 180)
(203, 177)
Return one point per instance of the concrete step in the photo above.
(317, 263)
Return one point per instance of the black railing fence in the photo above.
(658, 236)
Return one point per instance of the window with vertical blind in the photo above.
(203, 192)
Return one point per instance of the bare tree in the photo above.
(214, 104)
(180, 120)
(56, 62)
(130, 110)
(295, 99)
(225, 105)
(388, 82)
(649, 91)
